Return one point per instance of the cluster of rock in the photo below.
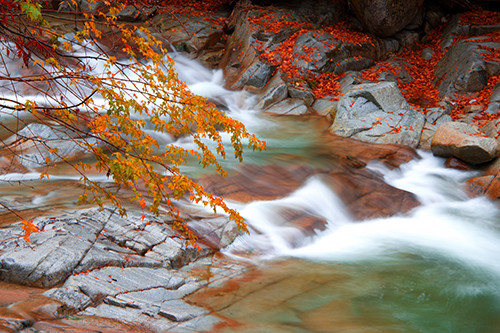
(131, 269)
(373, 112)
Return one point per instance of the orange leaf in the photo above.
(28, 228)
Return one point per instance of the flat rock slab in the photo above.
(87, 239)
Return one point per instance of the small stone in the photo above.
(427, 53)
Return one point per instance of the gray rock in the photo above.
(494, 104)
(57, 143)
(198, 324)
(52, 255)
(378, 113)
(135, 317)
(325, 107)
(463, 141)
(303, 92)
(82, 5)
(289, 106)
(275, 91)
(256, 75)
(72, 299)
(179, 311)
(310, 50)
(434, 118)
(462, 69)
(455, 28)
(133, 14)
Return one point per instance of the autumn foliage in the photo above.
(115, 112)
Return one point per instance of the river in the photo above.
(434, 269)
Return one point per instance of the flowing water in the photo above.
(435, 269)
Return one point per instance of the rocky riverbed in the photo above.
(430, 81)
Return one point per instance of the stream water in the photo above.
(435, 269)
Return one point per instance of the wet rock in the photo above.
(275, 91)
(325, 107)
(367, 196)
(256, 75)
(383, 17)
(12, 322)
(57, 143)
(465, 142)
(378, 113)
(289, 106)
(488, 185)
(455, 163)
(306, 223)
(258, 182)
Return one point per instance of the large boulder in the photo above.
(465, 142)
(385, 17)
(378, 113)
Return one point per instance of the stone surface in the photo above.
(325, 107)
(378, 113)
(465, 142)
(289, 106)
(275, 91)
(367, 196)
(494, 104)
(52, 143)
(462, 69)
(488, 186)
(89, 239)
(434, 117)
(385, 17)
